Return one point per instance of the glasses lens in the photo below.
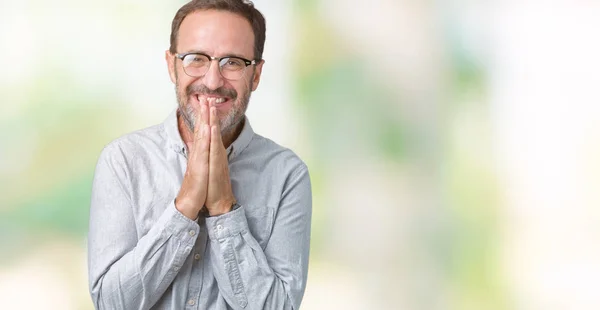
(232, 68)
(195, 64)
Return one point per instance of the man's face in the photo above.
(218, 34)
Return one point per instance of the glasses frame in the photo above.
(247, 62)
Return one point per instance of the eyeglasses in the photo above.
(197, 64)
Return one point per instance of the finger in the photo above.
(215, 125)
(199, 154)
(190, 148)
(205, 103)
(215, 161)
(214, 120)
(200, 120)
(205, 142)
(216, 142)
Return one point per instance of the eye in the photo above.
(195, 60)
(232, 64)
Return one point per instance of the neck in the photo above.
(228, 135)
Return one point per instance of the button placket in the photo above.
(195, 257)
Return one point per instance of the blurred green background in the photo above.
(454, 146)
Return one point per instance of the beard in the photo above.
(234, 115)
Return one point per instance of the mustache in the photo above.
(202, 89)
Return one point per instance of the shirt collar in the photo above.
(172, 130)
(242, 141)
(176, 143)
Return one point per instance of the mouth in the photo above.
(213, 101)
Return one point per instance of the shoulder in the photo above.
(279, 157)
(138, 144)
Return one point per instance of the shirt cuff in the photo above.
(227, 225)
(179, 225)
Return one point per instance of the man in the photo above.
(200, 212)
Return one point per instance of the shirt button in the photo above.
(192, 233)
(219, 227)
(197, 257)
(176, 268)
(191, 302)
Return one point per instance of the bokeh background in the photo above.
(454, 146)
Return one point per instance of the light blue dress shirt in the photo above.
(144, 254)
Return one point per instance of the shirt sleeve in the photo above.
(127, 271)
(274, 278)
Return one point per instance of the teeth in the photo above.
(212, 100)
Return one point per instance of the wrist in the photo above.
(187, 208)
(221, 208)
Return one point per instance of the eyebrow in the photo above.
(226, 55)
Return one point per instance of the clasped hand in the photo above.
(206, 182)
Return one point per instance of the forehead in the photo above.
(215, 32)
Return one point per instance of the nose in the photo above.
(213, 78)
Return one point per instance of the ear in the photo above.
(170, 59)
(257, 73)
